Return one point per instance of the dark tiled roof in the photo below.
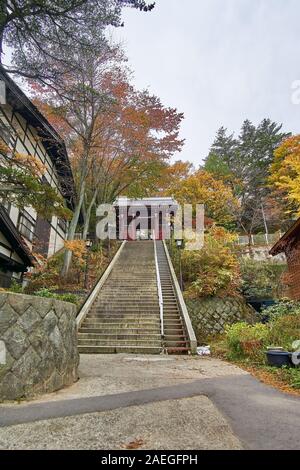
(292, 232)
(14, 238)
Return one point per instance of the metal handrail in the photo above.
(183, 309)
(159, 289)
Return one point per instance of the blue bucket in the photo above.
(279, 358)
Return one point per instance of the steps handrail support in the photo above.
(159, 290)
(183, 309)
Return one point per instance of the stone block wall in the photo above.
(210, 315)
(38, 345)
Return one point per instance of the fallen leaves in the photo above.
(136, 444)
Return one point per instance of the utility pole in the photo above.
(265, 223)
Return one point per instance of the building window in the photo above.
(6, 132)
(6, 205)
(26, 225)
(63, 225)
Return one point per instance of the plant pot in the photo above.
(278, 358)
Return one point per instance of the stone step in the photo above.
(124, 324)
(112, 336)
(125, 315)
(176, 344)
(119, 330)
(111, 320)
(128, 297)
(177, 350)
(119, 349)
(126, 308)
(128, 304)
(181, 337)
(123, 321)
(120, 327)
(119, 342)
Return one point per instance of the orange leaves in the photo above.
(115, 134)
(78, 249)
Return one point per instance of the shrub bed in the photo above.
(247, 344)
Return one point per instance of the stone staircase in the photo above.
(125, 315)
(175, 338)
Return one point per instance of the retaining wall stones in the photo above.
(38, 345)
(210, 315)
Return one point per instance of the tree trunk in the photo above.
(88, 215)
(72, 230)
(3, 13)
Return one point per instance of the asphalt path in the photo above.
(260, 416)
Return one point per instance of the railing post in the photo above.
(159, 290)
(183, 309)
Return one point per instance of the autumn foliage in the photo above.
(214, 270)
(285, 172)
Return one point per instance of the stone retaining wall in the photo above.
(38, 345)
(210, 315)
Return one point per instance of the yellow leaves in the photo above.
(26, 161)
(285, 170)
(214, 270)
(78, 249)
(31, 163)
(4, 149)
(202, 188)
(222, 235)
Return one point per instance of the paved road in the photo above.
(261, 417)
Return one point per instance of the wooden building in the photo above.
(289, 244)
(25, 130)
(137, 218)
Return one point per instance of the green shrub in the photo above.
(284, 330)
(290, 375)
(261, 279)
(68, 297)
(283, 307)
(250, 341)
(16, 287)
(44, 292)
(211, 271)
(72, 298)
(247, 341)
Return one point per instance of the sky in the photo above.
(217, 61)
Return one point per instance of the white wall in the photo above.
(28, 142)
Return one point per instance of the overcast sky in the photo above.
(218, 61)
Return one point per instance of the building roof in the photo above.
(147, 201)
(280, 246)
(12, 235)
(53, 143)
